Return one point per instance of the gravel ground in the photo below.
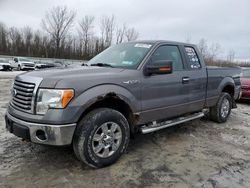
(195, 154)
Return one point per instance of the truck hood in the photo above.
(73, 72)
(52, 76)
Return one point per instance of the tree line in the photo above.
(211, 54)
(62, 36)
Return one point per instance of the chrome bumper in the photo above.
(57, 135)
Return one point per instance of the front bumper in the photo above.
(57, 135)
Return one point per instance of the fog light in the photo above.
(40, 134)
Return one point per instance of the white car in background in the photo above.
(21, 63)
(5, 65)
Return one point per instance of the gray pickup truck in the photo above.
(131, 87)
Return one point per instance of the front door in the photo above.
(165, 96)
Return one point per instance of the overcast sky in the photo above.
(226, 22)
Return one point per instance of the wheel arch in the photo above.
(109, 96)
(229, 89)
(228, 86)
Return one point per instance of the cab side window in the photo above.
(193, 60)
(169, 53)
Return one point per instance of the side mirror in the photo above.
(16, 60)
(159, 67)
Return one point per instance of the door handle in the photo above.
(185, 80)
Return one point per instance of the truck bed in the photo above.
(216, 77)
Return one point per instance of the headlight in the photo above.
(52, 98)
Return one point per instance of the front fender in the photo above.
(90, 96)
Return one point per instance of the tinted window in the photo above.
(193, 60)
(170, 53)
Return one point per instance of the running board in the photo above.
(154, 126)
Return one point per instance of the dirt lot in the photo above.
(195, 154)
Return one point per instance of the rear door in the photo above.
(165, 96)
(197, 79)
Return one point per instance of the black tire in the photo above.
(19, 68)
(216, 113)
(83, 142)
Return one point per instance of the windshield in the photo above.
(127, 55)
(246, 73)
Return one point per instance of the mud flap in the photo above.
(234, 105)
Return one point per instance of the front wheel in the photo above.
(221, 111)
(101, 137)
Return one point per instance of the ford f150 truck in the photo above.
(138, 86)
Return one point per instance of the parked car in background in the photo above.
(245, 83)
(45, 65)
(5, 65)
(22, 64)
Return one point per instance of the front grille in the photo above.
(22, 95)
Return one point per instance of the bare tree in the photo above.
(37, 41)
(46, 46)
(214, 50)
(27, 35)
(188, 39)
(107, 30)
(209, 52)
(131, 34)
(120, 33)
(86, 31)
(3, 38)
(203, 47)
(16, 40)
(57, 41)
(57, 23)
(231, 56)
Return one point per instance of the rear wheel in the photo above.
(19, 68)
(102, 136)
(222, 110)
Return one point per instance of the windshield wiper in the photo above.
(101, 65)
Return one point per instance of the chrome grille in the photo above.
(22, 95)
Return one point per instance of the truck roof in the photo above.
(163, 41)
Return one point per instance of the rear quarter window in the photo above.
(192, 58)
